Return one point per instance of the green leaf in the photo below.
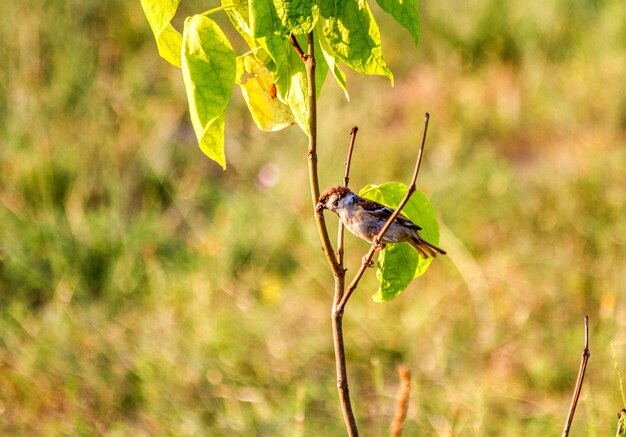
(321, 66)
(169, 41)
(259, 91)
(260, 26)
(238, 13)
(208, 64)
(288, 69)
(239, 16)
(399, 264)
(297, 16)
(264, 20)
(353, 36)
(405, 13)
(332, 63)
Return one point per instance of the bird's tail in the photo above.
(424, 248)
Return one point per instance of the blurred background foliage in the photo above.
(145, 292)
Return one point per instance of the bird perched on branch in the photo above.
(365, 219)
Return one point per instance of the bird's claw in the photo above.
(367, 262)
(378, 246)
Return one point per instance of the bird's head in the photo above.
(331, 198)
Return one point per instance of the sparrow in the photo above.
(365, 218)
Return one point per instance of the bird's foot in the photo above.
(378, 246)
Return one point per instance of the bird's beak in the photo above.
(319, 207)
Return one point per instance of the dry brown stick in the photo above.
(346, 180)
(376, 241)
(402, 402)
(579, 381)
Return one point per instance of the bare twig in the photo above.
(402, 402)
(346, 180)
(579, 381)
(376, 241)
(346, 175)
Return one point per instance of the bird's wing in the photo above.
(382, 213)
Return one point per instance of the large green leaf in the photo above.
(298, 16)
(353, 36)
(399, 264)
(208, 64)
(169, 41)
(405, 13)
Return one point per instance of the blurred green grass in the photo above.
(145, 292)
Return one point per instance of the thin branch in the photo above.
(346, 176)
(301, 54)
(402, 403)
(376, 241)
(338, 271)
(322, 229)
(579, 381)
(340, 361)
(219, 9)
(346, 180)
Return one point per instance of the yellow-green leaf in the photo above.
(353, 36)
(259, 91)
(297, 16)
(208, 64)
(405, 13)
(333, 64)
(264, 20)
(169, 41)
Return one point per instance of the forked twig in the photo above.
(346, 180)
(579, 381)
(402, 403)
(294, 42)
(376, 241)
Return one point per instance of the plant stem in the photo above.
(338, 271)
(309, 62)
(218, 9)
(340, 360)
(579, 381)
